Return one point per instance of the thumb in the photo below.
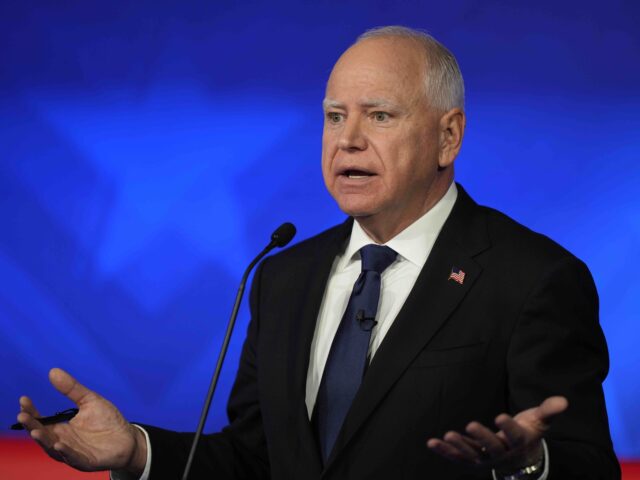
(551, 407)
(69, 386)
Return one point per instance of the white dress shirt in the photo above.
(413, 246)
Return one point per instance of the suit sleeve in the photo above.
(239, 451)
(558, 348)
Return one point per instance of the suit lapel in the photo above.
(432, 300)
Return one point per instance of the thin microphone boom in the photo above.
(283, 235)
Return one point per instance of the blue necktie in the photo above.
(347, 359)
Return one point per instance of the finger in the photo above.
(29, 422)
(515, 434)
(473, 443)
(39, 434)
(446, 450)
(37, 431)
(26, 405)
(539, 418)
(72, 457)
(484, 457)
(551, 407)
(46, 442)
(468, 451)
(493, 445)
(69, 386)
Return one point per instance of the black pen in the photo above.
(57, 418)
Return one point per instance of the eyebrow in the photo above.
(328, 103)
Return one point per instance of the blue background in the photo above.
(148, 149)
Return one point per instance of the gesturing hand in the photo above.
(97, 438)
(518, 443)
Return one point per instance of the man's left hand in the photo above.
(516, 445)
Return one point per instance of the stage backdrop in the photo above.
(148, 149)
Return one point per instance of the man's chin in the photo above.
(356, 205)
(357, 213)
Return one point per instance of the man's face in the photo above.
(380, 144)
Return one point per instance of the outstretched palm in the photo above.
(515, 445)
(98, 438)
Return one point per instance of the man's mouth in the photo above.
(355, 174)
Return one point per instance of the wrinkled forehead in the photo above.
(381, 68)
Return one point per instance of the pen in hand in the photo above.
(57, 418)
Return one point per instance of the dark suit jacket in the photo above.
(523, 326)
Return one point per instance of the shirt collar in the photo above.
(414, 243)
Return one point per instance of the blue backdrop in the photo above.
(148, 149)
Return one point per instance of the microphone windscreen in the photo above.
(283, 234)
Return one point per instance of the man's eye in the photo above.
(334, 117)
(381, 116)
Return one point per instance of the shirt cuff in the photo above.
(545, 459)
(114, 475)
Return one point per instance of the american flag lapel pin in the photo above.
(457, 275)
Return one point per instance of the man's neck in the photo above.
(381, 229)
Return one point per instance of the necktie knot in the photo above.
(376, 258)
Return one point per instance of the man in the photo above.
(463, 314)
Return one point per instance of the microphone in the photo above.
(365, 323)
(281, 237)
(283, 234)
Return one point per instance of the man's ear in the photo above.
(452, 125)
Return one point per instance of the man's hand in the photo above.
(97, 438)
(516, 445)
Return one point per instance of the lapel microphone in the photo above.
(365, 323)
(282, 236)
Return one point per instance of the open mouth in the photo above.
(355, 174)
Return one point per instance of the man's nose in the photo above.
(352, 137)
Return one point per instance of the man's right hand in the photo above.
(97, 438)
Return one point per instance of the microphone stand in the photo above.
(283, 235)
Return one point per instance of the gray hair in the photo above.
(444, 83)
